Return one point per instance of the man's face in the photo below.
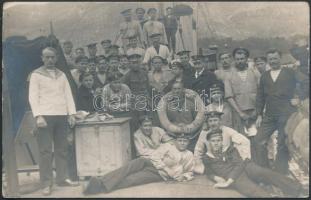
(135, 63)
(80, 52)
(198, 65)
(153, 15)
(124, 61)
(169, 11)
(213, 122)
(82, 65)
(92, 51)
(140, 14)
(261, 66)
(114, 63)
(177, 90)
(49, 58)
(92, 67)
(184, 58)
(155, 40)
(128, 17)
(225, 61)
(146, 128)
(157, 64)
(176, 70)
(274, 60)
(88, 81)
(133, 42)
(102, 66)
(216, 143)
(182, 143)
(106, 45)
(240, 61)
(67, 48)
(115, 85)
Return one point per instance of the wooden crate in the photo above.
(102, 146)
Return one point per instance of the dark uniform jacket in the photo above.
(203, 83)
(170, 22)
(277, 95)
(231, 165)
(85, 99)
(188, 76)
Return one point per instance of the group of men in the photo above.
(236, 96)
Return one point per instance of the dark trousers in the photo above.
(72, 163)
(246, 182)
(171, 39)
(268, 126)
(55, 133)
(137, 172)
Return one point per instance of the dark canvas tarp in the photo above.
(20, 57)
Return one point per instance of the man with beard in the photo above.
(230, 136)
(203, 79)
(225, 71)
(170, 161)
(148, 138)
(240, 91)
(277, 93)
(138, 82)
(114, 63)
(184, 58)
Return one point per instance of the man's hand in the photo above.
(295, 102)
(258, 121)
(219, 179)
(243, 115)
(41, 123)
(71, 121)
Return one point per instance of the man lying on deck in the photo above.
(225, 166)
(168, 162)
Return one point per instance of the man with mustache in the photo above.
(241, 89)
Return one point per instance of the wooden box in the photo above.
(102, 146)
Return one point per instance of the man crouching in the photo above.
(225, 166)
(167, 162)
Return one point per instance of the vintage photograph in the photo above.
(155, 99)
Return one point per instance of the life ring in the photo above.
(191, 128)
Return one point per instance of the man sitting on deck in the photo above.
(148, 138)
(225, 166)
(168, 162)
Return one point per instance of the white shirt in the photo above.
(275, 74)
(151, 52)
(50, 95)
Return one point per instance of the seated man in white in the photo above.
(148, 138)
(157, 49)
(229, 136)
(168, 162)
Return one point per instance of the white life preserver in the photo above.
(189, 128)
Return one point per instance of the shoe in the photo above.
(68, 182)
(93, 186)
(47, 191)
